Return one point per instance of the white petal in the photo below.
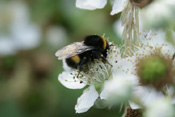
(160, 108)
(157, 39)
(69, 81)
(170, 92)
(66, 67)
(118, 27)
(86, 100)
(117, 90)
(133, 105)
(118, 6)
(114, 56)
(7, 46)
(146, 95)
(26, 36)
(125, 66)
(153, 18)
(90, 4)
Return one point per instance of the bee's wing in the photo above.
(72, 50)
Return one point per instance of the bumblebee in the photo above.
(78, 54)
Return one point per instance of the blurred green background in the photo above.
(31, 31)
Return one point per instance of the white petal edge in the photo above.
(112, 89)
(86, 100)
(67, 80)
(118, 6)
(125, 66)
(114, 55)
(90, 4)
(66, 67)
(146, 95)
(118, 27)
(160, 108)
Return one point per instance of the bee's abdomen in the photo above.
(73, 61)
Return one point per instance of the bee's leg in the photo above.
(105, 61)
(83, 61)
(97, 55)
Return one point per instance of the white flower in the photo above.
(160, 108)
(118, 5)
(96, 75)
(17, 31)
(118, 27)
(86, 100)
(152, 44)
(7, 46)
(91, 4)
(160, 13)
(156, 40)
(118, 90)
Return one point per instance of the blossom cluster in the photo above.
(142, 75)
